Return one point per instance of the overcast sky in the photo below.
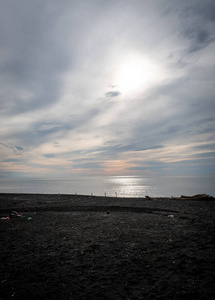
(107, 87)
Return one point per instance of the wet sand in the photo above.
(86, 247)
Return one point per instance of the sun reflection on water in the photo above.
(129, 186)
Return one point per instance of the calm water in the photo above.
(122, 186)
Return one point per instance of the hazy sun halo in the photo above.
(135, 73)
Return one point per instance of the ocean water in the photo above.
(121, 186)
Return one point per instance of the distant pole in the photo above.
(105, 194)
(116, 194)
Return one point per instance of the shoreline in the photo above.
(90, 247)
(182, 197)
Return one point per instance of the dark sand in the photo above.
(81, 247)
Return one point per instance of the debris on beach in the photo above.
(198, 196)
(194, 197)
(15, 214)
(5, 218)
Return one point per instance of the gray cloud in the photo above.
(150, 165)
(88, 165)
(199, 24)
(206, 146)
(112, 94)
(16, 149)
(49, 155)
(205, 154)
(49, 127)
(200, 38)
(35, 58)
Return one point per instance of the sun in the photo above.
(135, 73)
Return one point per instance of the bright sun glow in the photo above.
(136, 73)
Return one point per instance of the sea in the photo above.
(120, 186)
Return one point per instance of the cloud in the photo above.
(49, 155)
(112, 94)
(205, 146)
(149, 165)
(199, 24)
(205, 154)
(88, 166)
(35, 60)
(62, 109)
(200, 38)
(49, 127)
(16, 149)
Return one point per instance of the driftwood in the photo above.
(195, 197)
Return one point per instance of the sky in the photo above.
(107, 87)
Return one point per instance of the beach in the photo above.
(88, 247)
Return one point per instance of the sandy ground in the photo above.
(82, 247)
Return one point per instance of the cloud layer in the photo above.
(107, 87)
